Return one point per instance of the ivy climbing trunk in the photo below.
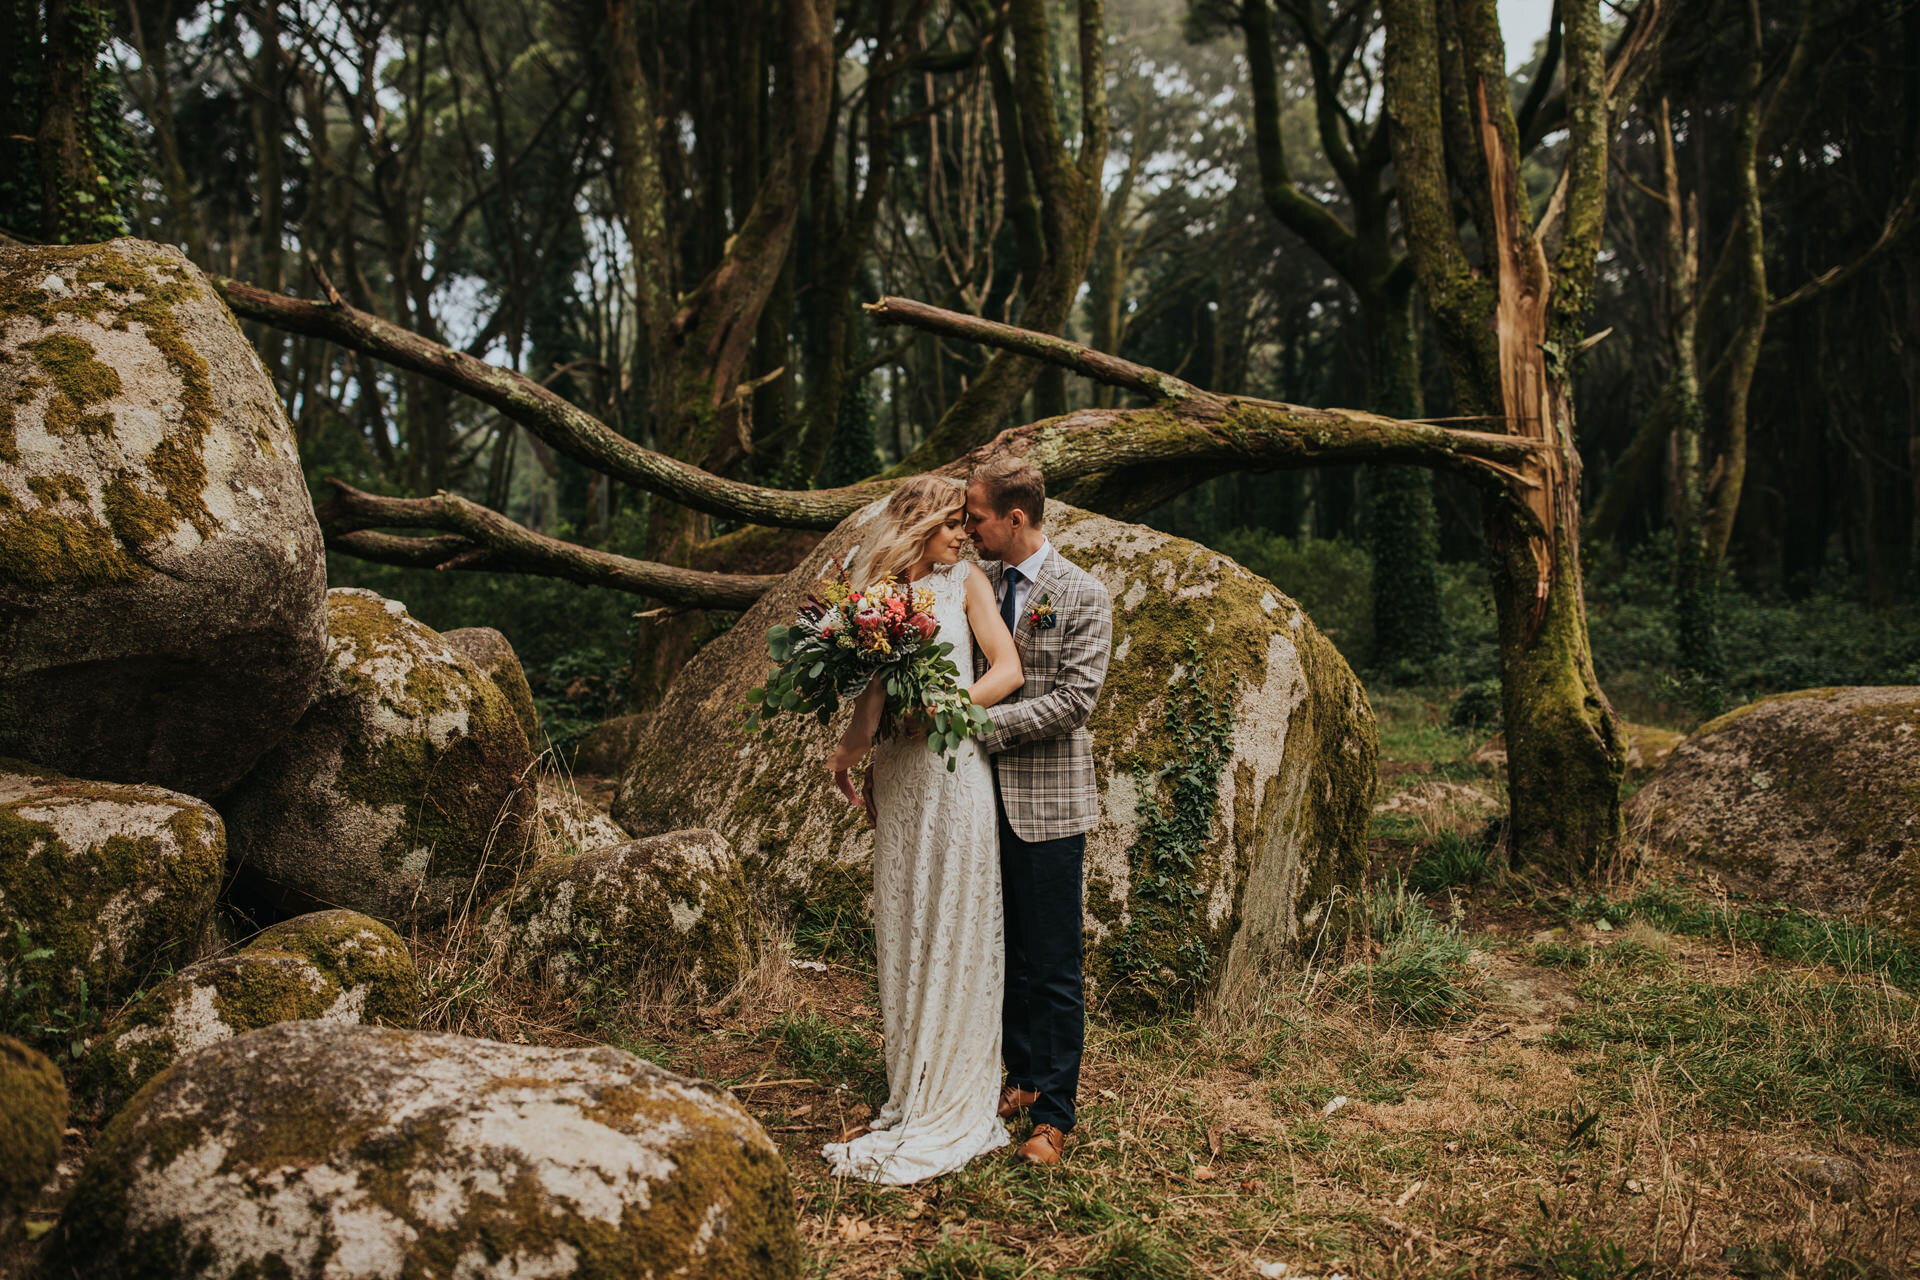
(74, 194)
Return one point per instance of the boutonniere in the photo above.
(1040, 614)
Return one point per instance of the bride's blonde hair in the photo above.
(915, 511)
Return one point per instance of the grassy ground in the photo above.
(1649, 1079)
(1653, 1080)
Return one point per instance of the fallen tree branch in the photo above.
(475, 538)
(566, 427)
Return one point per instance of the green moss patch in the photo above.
(108, 286)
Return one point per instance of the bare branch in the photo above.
(477, 538)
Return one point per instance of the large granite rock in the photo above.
(161, 575)
(667, 910)
(493, 654)
(331, 966)
(1811, 798)
(307, 1151)
(405, 791)
(1196, 878)
(33, 1123)
(118, 882)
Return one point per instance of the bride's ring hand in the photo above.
(843, 781)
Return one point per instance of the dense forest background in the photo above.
(1749, 423)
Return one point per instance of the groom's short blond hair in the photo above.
(1013, 482)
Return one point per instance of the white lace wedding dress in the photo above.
(938, 930)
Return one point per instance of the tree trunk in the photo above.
(74, 194)
(1566, 755)
(1409, 633)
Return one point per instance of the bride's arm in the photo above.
(855, 742)
(1003, 674)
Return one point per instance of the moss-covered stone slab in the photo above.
(33, 1119)
(305, 1151)
(115, 882)
(1197, 879)
(330, 966)
(493, 654)
(668, 910)
(161, 572)
(405, 792)
(1811, 798)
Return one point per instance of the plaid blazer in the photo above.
(1042, 752)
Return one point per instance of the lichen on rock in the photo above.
(493, 654)
(118, 882)
(330, 966)
(33, 1120)
(161, 573)
(406, 790)
(1811, 798)
(305, 1150)
(668, 910)
(1286, 830)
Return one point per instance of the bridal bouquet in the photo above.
(844, 636)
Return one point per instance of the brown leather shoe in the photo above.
(1014, 1100)
(1047, 1146)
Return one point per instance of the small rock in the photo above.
(331, 966)
(56, 286)
(1834, 1177)
(117, 881)
(666, 908)
(309, 1151)
(570, 824)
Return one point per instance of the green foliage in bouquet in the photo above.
(842, 639)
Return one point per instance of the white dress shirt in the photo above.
(1029, 570)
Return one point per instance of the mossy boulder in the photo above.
(162, 580)
(1811, 798)
(330, 966)
(33, 1120)
(666, 910)
(493, 654)
(114, 883)
(306, 1150)
(571, 824)
(405, 791)
(1197, 879)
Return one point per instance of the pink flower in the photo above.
(870, 619)
(925, 625)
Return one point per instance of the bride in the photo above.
(936, 871)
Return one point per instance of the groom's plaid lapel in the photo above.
(1044, 757)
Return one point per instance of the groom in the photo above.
(1062, 624)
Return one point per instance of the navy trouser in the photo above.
(1043, 1021)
